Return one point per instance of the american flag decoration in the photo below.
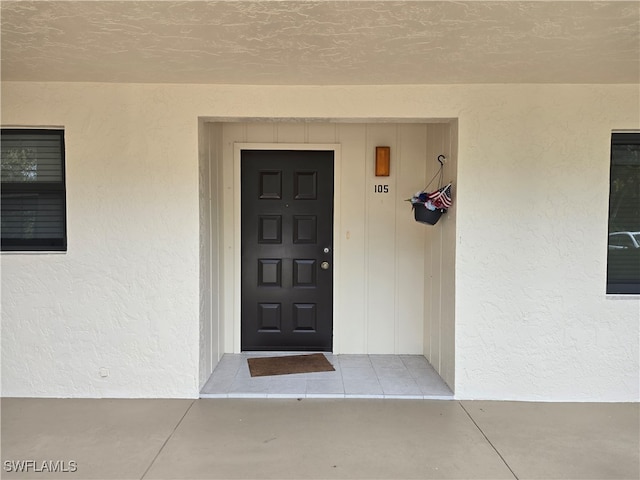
(441, 198)
(429, 207)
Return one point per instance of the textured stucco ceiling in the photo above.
(321, 42)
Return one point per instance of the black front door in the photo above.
(287, 250)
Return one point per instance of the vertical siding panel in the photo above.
(410, 239)
(215, 229)
(428, 261)
(205, 132)
(434, 148)
(448, 264)
(381, 244)
(290, 133)
(231, 133)
(261, 132)
(217, 232)
(428, 287)
(322, 132)
(351, 326)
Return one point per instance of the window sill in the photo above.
(33, 252)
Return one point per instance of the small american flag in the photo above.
(441, 198)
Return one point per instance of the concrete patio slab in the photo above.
(106, 439)
(563, 440)
(323, 439)
(306, 438)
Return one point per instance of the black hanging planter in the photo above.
(438, 200)
(423, 215)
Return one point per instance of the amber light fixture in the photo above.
(383, 161)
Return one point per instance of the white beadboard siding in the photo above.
(211, 328)
(352, 138)
(380, 303)
(439, 292)
(531, 319)
(207, 262)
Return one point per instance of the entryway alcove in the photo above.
(393, 278)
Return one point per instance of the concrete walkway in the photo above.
(318, 439)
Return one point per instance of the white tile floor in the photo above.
(355, 376)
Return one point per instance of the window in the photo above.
(623, 260)
(33, 190)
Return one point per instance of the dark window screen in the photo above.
(623, 260)
(33, 190)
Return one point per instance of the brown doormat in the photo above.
(265, 366)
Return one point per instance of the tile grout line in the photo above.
(487, 439)
(167, 440)
(413, 377)
(344, 389)
(377, 376)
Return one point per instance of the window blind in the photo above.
(33, 190)
(623, 259)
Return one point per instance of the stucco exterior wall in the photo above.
(531, 317)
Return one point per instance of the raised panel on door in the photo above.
(287, 250)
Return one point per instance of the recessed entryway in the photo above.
(393, 278)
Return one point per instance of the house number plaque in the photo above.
(381, 188)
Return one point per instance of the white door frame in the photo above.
(237, 148)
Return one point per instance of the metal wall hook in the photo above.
(441, 159)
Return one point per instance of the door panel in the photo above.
(287, 250)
